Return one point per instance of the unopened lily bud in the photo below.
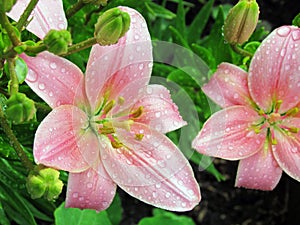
(57, 41)
(241, 21)
(19, 108)
(96, 2)
(6, 5)
(44, 182)
(111, 26)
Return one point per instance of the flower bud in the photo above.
(111, 26)
(44, 182)
(19, 108)
(241, 21)
(96, 2)
(57, 41)
(6, 5)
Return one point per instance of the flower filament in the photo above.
(105, 122)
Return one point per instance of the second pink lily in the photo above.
(260, 123)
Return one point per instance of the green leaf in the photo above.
(197, 26)
(182, 78)
(74, 216)
(15, 206)
(180, 19)
(115, 211)
(215, 41)
(159, 11)
(205, 162)
(178, 38)
(3, 219)
(205, 55)
(163, 217)
(21, 69)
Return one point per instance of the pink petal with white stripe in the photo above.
(159, 111)
(274, 70)
(55, 79)
(287, 149)
(47, 15)
(152, 169)
(64, 141)
(90, 189)
(228, 86)
(259, 171)
(118, 66)
(229, 134)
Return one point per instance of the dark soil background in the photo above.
(222, 203)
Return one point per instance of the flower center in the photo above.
(107, 119)
(275, 120)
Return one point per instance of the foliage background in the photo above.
(195, 25)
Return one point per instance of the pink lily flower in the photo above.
(260, 123)
(107, 127)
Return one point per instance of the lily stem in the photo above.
(80, 46)
(9, 29)
(24, 17)
(14, 81)
(74, 9)
(14, 141)
(241, 51)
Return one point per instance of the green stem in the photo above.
(9, 29)
(74, 9)
(14, 82)
(80, 46)
(36, 49)
(24, 17)
(14, 141)
(241, 51)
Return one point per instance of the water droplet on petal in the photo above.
(296, 35)
(89, 185)
(75, 195)
(41, 86)
(157, 114)
(149, 90)
(53, 65)
(283, 31)
(31, 76)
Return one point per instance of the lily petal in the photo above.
(55, 79)
(152, 169)
(274, 70)
(159, 111)
(228, 86)
(64, 141)
(229, 134)
(125, 66)
(259, 171)
(287, 149)
(92, 189)
(47, 15)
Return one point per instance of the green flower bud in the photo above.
(44, 182)
(111, 26)
(57, 41)
(6, 5)
(19, 108)
(241, 21)
(96, 2)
